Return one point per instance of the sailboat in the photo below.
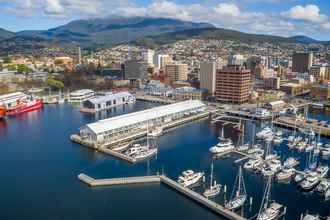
(243, 147)
(214, 189)
(268, 211)
(239, 195)
(144, 152)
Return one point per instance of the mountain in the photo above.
(4, 34)
(220, 34)
(107, 32)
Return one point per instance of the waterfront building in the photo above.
(318, 72)
(272, 83)
(302, 62)
(292, 89)
(176, 72)
(208, 76)
(187, 93)
(81, 95)
(107, 101)
(321, 92)
(233, 84)
(275, 105)
(156, 88)
(116, 128)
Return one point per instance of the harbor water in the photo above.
(39, 168)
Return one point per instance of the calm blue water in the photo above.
(39, 168)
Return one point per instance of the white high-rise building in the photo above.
(207, 76)
(148, 56)
(236, 59)
(161, 60)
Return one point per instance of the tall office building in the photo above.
(302, 62)
(236, 59)
(233, 84)
(148, 56)
(208, 76)
(161, 60)
(176, 72)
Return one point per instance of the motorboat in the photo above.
(290, 162)
(269, 214)
(190, 178)
(310, 217)
(311, 181)
(223, 146)
(214, 189)
(271, 157)
(259, 153)
(239, 194)
(299, 177)
(323, 186)
(277, 140)
(265, 133)
(243, 148)
(135, 149)
(326, 152)
(322, 170)
(309, 148)
(285, 174)
(252, 164)
(317, 105)
(121, 147)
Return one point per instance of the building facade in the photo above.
(208, 76)
(302, 62)
(135, 70)
(233, 84)
(176, 72)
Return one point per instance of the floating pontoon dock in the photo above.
(213, 206)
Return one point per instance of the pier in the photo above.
(213, 206)
(154, 99)
(302, 124)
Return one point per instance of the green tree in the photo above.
(21, 68)
(6, 60)
(57, 84)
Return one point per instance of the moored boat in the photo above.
(23, 106)
(2, 112)
(214, 189)
(190, 178)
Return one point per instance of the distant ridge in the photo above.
(146, 31)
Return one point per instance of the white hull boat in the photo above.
(190, 178)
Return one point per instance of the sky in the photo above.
(276, 17)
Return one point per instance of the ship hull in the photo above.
(26, 107)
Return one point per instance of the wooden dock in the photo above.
(302, 124)
(213, 206)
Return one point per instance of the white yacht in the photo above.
(310, 217)
(252, 164)
(224, 145)
(323, 186)
(136, 149)
(189, 178)
(310, 182)
(299, 177)
(290, 162)
(322, 170)
(243, 148)
(285, 174)
(265, 133)
(145, 154)
(214, 189)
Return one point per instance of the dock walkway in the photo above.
(213, 206)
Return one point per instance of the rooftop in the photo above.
(141, 116)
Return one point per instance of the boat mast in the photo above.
(211, 176)
(222, 132)
(265, 199)
(239, 180)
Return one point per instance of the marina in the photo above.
(193, 140)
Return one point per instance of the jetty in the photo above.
(162, 179)
(154, 99)
(302, 124)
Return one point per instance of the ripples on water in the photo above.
(39, 168)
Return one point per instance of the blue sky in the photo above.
(279, 17)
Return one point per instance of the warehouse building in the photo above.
(115, 128)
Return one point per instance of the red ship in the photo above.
(23, 106)
(2, 112)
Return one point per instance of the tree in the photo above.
(21, 68)
(57, 84)
(6, 60)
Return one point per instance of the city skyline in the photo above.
(274, 17)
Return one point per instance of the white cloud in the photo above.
(298, 19)
(227, 9)
(308, 13)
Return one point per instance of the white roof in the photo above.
(8, 97)
(109, 96)
(141, 116)
(81, 92)
(279, 102)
